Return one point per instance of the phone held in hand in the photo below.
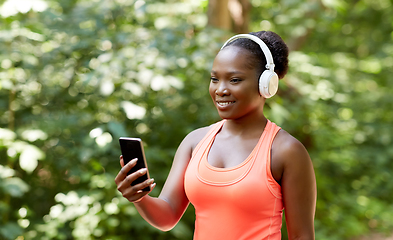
(133, 148)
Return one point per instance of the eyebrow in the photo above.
(231, 72)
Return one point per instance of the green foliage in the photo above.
(76, 75)
(335, 100)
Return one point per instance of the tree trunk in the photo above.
(232, 15)
(218, 14)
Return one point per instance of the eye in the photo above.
(235, 80)
(213, 79)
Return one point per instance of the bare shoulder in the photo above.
(285, 145)
(194, 137)
(288, 154)
(184, 151)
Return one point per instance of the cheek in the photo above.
(251, 97)
(250, 91)
(212, 91)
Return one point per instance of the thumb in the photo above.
(121, 161)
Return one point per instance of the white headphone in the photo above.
(268, 81)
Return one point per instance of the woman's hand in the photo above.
(132, 193)
(164, 211)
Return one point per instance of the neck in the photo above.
(247, 126)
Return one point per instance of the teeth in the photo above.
(224, 103)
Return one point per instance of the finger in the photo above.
(124, 170)
(138, 197)
(142, 194)
(133, 176)
(121, 161)
(123, 184)
(135, 193)
(141, 186)
(129, 190)
(147, 183)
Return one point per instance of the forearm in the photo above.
(158, 213)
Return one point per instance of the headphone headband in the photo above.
(264, 48)
(268, 81)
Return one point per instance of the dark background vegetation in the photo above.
(75, 75)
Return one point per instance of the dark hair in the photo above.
(277, 47)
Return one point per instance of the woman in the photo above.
(241, 172)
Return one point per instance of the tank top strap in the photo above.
(208, 137)
(264, 152)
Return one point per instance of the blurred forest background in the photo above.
(75, 75)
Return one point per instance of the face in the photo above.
(234, 86)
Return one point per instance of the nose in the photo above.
(222, 90)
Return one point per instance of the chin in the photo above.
(226, 116)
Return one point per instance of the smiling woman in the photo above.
(234, 87)
(242, 172)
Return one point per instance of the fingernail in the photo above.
(143, 171)
(151, 180)
(134, 160)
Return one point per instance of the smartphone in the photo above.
(133, 148)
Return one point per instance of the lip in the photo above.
(222, 105)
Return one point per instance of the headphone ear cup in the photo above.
(268, 84)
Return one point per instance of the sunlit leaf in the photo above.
(14, 186)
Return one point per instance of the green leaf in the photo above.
(14, 186)
(10, 230)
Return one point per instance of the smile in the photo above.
(223, 104)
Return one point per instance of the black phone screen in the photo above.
(132, 148)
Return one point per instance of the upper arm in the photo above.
(173, 191)
(298, 186)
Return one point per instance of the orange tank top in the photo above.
(241, 202)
